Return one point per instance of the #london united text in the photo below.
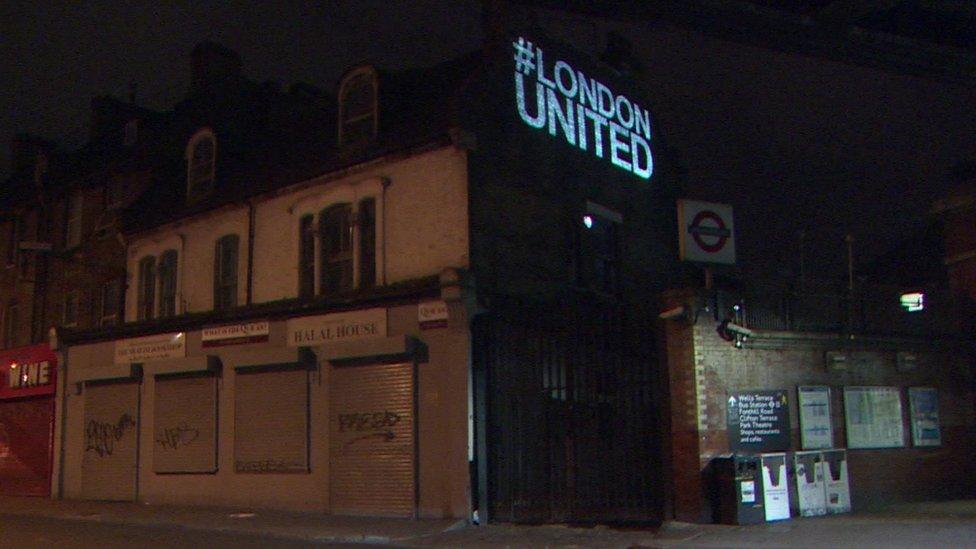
(588, 114)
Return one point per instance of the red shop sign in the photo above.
(28, 371)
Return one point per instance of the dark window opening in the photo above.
(147, 288)
(225, 272)
(167, 283)
(336, 234)
(306, 259)
(367, 243)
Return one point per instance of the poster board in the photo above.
(758, 421)
(924, 405)
(873, 417)
(816, 430)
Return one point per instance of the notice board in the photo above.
(873, 417)
(758, 421)
(816, 431)
(924, 405)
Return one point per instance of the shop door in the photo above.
(109, 466)
(372, 440)
(26, 431)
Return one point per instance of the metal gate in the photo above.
(109, 466)
(26, 431)
(566, 395)
(372, 440)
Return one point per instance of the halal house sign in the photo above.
(587, 113)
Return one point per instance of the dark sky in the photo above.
(55, 55)
(793, 142)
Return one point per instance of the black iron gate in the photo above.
(566, 396)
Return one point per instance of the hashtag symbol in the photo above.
(524, 56)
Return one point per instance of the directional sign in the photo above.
(705, 232)
(758, 421)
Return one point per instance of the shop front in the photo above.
(358, 412)
(27, 389)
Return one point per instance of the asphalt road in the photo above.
(35, 532)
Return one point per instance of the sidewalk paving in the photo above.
(913, 525)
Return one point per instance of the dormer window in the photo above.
(357, 106)
(201, 157)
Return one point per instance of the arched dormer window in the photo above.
(358, 106)
(201, 160)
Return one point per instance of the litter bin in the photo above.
(810, 485)
(775, 486)
(739, 490)
(837, 485)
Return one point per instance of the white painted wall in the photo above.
(421, 228)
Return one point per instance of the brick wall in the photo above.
(700, 361)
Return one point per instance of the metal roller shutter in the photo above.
(271, 422)
(109, 466)
(372, 440)
(185, 424)
(26, 428)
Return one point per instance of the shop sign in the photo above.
(758, 421)
(27, 371)
(337, 327)
(235, 334)
(432, 314)
(559, 98)
(155, 347)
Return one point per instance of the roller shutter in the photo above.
(185, 424)
(26, 428)
(110, 462)
(372, 440)
(271, 422)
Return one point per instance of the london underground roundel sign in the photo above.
(706, 232)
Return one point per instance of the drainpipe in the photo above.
(63, 381)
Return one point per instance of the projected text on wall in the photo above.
(587, 113)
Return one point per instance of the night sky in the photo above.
(793, 142)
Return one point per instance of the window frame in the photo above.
(199, 186)
(167, 276)
(308, 234)
(224, 278)
(591, 253)
(345, 88)
(146, 288)
(109, 317)
(69, 309)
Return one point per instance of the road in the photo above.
(33, 532)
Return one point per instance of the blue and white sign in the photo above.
(587, 113)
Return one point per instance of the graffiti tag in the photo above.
(101, 436)
(368, 421)
(179, 436)
(268, 466)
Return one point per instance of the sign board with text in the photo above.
(235, 334)
(706, 232)
(28, 371)
(308, 331)
(432, 314)
(758, 421)
(154, 347)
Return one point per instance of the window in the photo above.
(345, 255)
(147, 288)
(225, 272)
(69, 310)
(131, 133)
(599, 249)
(10, 325)
(306, 256)
(108, 304)
(157, 280)
(72, 219)
(167, 283)
(336, 248)
(201, 156)
(357, 106)
(367, 242)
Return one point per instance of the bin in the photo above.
(739, 490)
(810, 485)
(836, 483)
(776, 486)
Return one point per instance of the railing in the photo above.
(824, 307)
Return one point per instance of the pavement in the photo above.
(926, 524)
